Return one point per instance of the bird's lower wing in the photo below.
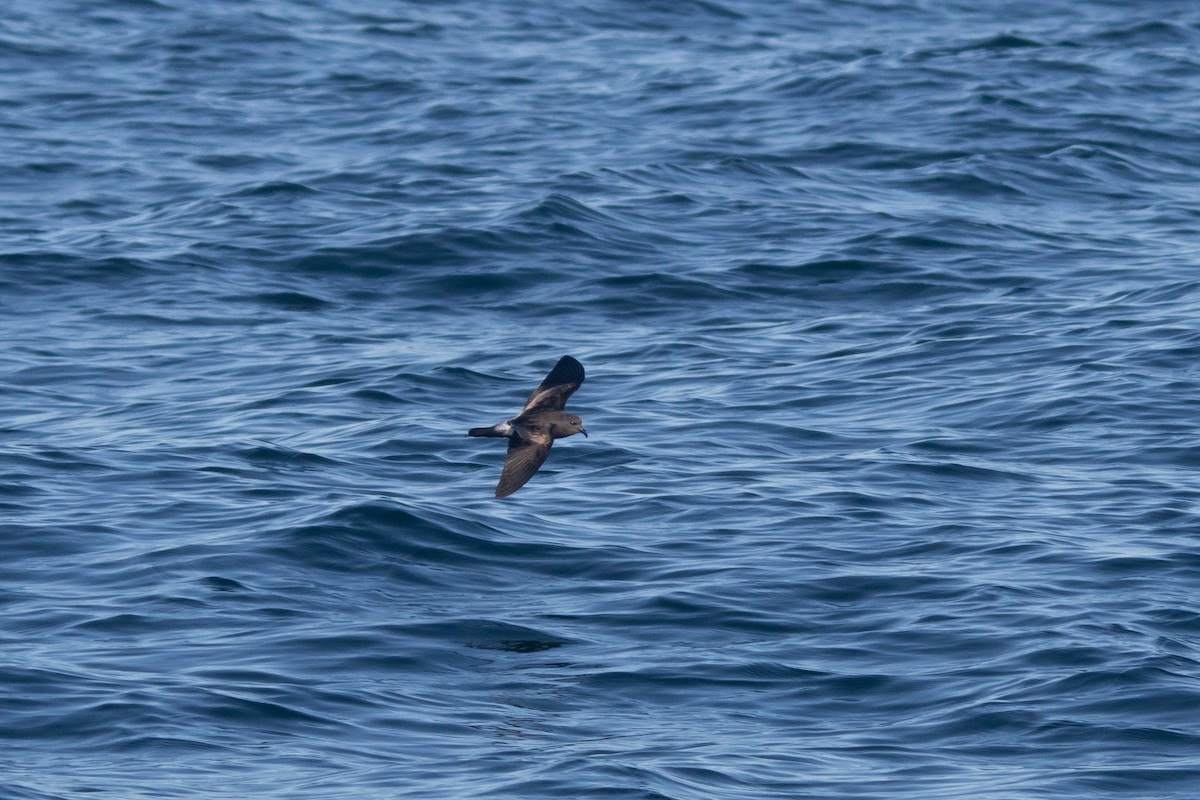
(524, 458)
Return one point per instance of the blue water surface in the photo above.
(891, 316)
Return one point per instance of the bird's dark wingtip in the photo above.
(567, 370)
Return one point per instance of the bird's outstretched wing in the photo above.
(524, 458)
(561, 383)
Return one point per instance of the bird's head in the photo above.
(568, 425)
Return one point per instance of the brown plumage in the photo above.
(540, 422)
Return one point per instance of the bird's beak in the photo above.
(584, 432)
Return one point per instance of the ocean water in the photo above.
(891, 316)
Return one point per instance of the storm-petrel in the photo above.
(540, 422)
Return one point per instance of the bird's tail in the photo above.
(491, 430)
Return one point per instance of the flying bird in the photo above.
(540, 422)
